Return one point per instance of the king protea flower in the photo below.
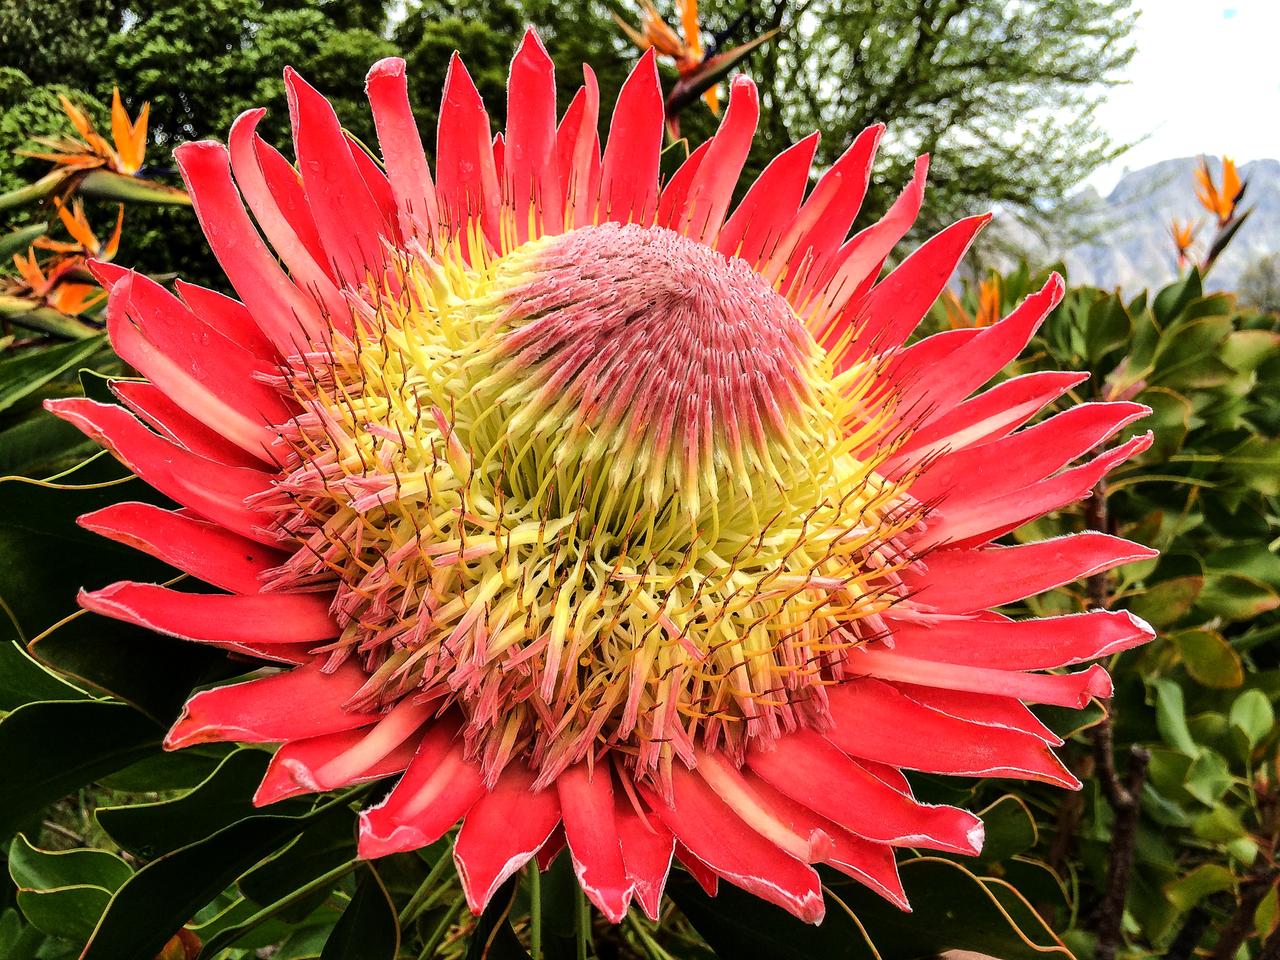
(599, 514)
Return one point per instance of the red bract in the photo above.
(594, 508)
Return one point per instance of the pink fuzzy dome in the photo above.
(601, 512)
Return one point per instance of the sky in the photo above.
(1205, 79)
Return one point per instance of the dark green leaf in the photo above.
(52, 748)
(963, 914)
(368, 927)
(166, 893)
(154, 829)
(26, 372)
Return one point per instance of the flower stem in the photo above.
(582, 923)
(535, 912)
(423, 896)
(429, 948)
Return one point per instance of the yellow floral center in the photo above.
(603, 492)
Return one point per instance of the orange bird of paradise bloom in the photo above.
(92, 150)
(685, 51)
(1220, 200)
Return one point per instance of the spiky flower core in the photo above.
(602, 491)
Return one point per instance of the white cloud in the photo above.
(1204, 80)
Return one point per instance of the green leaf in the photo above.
(106, 185)
(963, 910)
(1010, 829)
(42, 445)
(1253, 715)
(23, 680)
(1219, 825)
(23, 374)
(153, 673)
(45, 557)
(63, 893)
(1175, 298)
(19, 941)
(1209, 777)
(1171, 717)
(54, 747)
(1209, 658)
(1246, 350)
(1168, 601)
(154, 829)
(167, 892)
(368, 927)
(1205, 880)
(1234, 597)
(20, 240)
(324, 846)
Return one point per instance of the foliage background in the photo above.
(113, 845)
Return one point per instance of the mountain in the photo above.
(1130, 246)
(1127, 231)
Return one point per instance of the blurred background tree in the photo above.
(1260, 284)
(1001, 95)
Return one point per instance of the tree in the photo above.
(1260, 284)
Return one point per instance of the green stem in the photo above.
(429, 948)
(582, 923)
(269, 911)
(535, 912)
(423, 896)
(651, 946)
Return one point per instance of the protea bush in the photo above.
(602, 512)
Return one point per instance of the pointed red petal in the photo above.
(868, 862)
(898, 303)
(286, 186)
(294, 767)
(293, 705)
(210, 377)
(379, 187)
(989, 640)
(466, 180)
(985, 355)
(671, 205)
(719, 838)
(502, 832)
(229, 317)
(204, 550)
(877, 721)
(309, 273)
(587, 807)
(288, 317)
(439, 787)
(762, 217)
(578, 151)
(155, 408)
(815, 773)
(707, 878)
(988, 416)
(402, 151)
(531, 173)
(214, 617)
(983, 708)
(858, 262)
(1061, 689)
(712, 187)
(1024, 457)
(349, 221)
(966, 581)
(213, 490)
(646, 853)
(629, 175)
(824, 220)
(965, 523)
